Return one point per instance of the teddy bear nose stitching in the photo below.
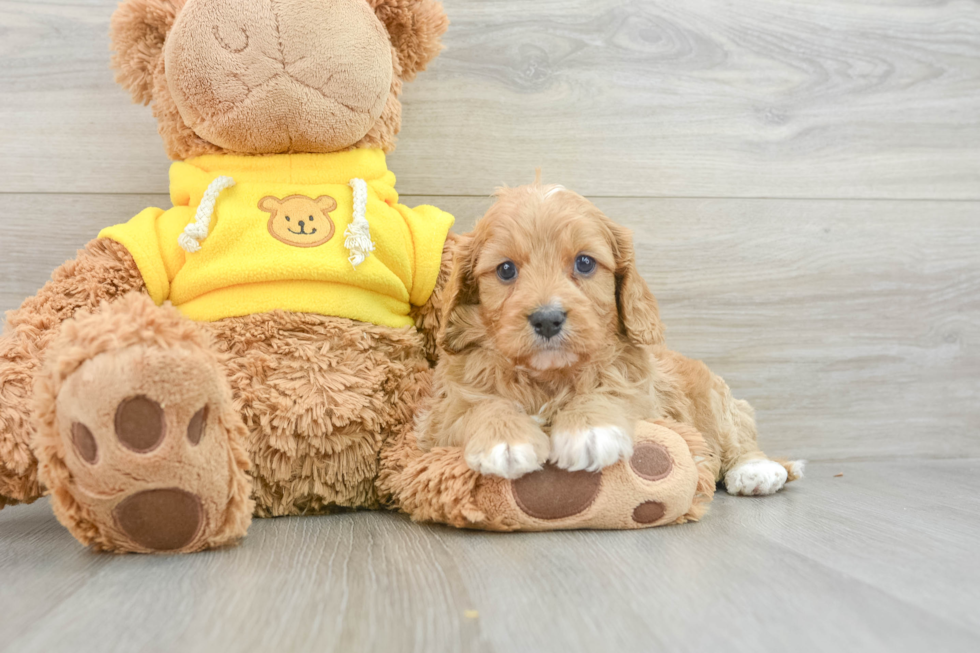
(547, 322)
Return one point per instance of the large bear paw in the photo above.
(657, 485)
(141, 443)
(667, 480)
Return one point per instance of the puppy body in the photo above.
(553, 350)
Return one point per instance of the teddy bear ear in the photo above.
(269, 204)
(326, 203)
(138, 30)
(415, 27)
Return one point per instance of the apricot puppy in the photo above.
(553, 350)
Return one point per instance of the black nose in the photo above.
(547, 322)
(301, 223)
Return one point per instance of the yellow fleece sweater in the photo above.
(283, 234)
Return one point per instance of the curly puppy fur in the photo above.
(514, 398)
(139, 29)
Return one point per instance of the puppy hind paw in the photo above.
(756, 478)
(508, 461)
(794, 469)
(590, 449)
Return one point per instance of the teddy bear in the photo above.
(263, 347)
(248, 350)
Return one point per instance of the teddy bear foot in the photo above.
(668, 480)
(141, 443)
(660, 484)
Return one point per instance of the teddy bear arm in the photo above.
(102, 271)
(428, 317)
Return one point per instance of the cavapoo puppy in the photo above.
(553, 350)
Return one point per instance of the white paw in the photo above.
(756, 477)
(506, 460)
(591, 450)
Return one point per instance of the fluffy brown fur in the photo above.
(319, 395)
(313, 397)
(139, 30)
(514, 399)
(87, 374)
(103, 271)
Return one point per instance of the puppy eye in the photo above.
(311, 218)
(584, 264)
(507, 271)
(287, 218)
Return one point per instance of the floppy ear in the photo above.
(325, 203)
(269, 204)
(461, 299)
(414, 27)
(639, 314)
(138, 30)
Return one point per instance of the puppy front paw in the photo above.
(507, 460)
(590, 449)
(756, 478)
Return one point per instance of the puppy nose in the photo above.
(547, 322)
(301, 223)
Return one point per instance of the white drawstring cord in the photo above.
(357, 237)
(195, 232)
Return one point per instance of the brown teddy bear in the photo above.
(263, 346)
(196, 365)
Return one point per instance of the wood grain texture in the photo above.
(707, 98)
(850, 563)
(853, 327)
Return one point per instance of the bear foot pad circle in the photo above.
(160, 520)
(553, 493)
(84, 441)
(648, 512)
(140, 424)
(651, 461)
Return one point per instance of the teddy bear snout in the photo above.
(247, 76)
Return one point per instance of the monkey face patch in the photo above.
(300, 221)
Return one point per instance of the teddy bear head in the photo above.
(273, 76)
(300, 221)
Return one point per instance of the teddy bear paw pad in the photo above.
(651, 461)
(160, 520)
(148, 458)
(554, 493)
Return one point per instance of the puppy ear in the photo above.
(415, 27)
(269, 204)
(461, 298)
(138, 30)
(639, 314)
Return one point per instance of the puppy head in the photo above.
(548, 281)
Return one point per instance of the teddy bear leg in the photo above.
(101, 272)
(319, 395)
(668, 480)
(137, 436)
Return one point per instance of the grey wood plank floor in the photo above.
(853, 563)
(803, 181)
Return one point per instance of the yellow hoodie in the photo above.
(309, 233)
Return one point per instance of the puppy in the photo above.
(552, 349)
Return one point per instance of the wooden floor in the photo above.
(803, 180)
